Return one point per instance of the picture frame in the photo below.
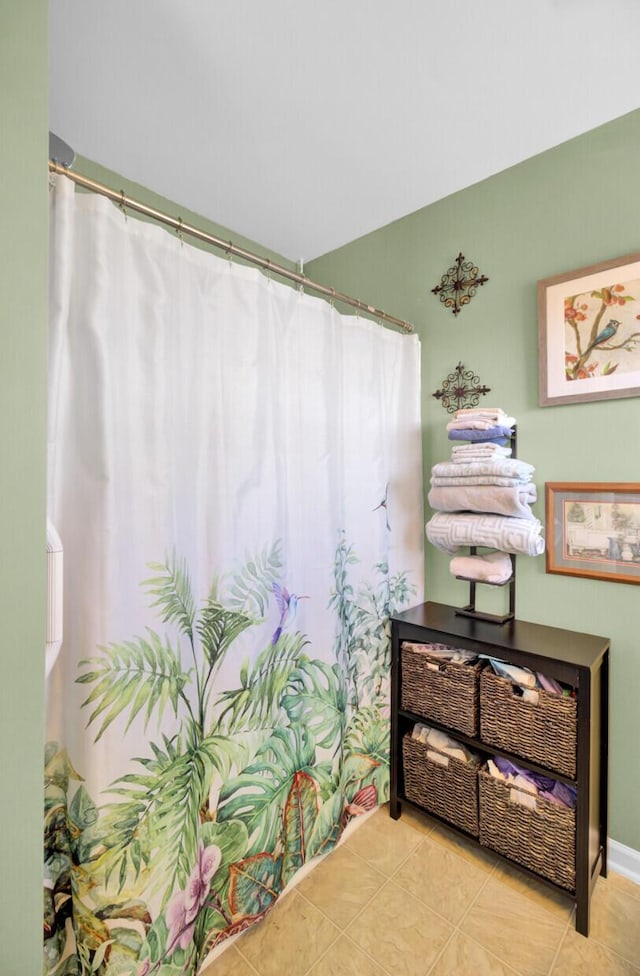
(593, 530)
(589, 333)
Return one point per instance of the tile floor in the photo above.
(408, 898)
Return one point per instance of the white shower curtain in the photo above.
(235, 473)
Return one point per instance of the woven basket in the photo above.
(543, 840)
(448, 695)
(450, 791)
(544, 733)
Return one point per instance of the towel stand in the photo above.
(470, 610)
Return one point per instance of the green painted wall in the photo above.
(574, 205)
(135, 191)
(23, 325)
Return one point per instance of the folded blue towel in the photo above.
(497, 435)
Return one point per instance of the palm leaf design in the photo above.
(327, 826)
(155, 823)
(257, 702)
(300, 812)
(255, 884)
(366, 748)
(269, 741)
(259, 794)
(342, 596)
(127, 825)
(217, 628)
(363, 647)
(316, 697)
(250, 590)
(368, 734)
(135, 674)
(164, 801)
(172, 589)
(182, 791)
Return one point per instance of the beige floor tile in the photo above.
(464, 957)
(550, 898)
(441, 879)
(512, 925)
(623, 884)
(289, 940)
(341, 885)
(383, 842)
(515, 928)
(229, 963)
(615, 918)
(579, 956)
(400, 932)
(345, 959)
(465, 848)
(421, 822)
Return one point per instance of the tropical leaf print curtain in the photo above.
(235, 473)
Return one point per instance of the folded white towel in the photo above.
(498, 467)
(477, 456)
(491, 412)
(478, 451)
(449, 531)
(512, 500)
(480, 423)
(494, 567)
(481, 479)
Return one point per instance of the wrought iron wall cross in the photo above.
(460, 283)
(461, 388)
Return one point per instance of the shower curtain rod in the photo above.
(127, 203)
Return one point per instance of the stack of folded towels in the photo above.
(477, 424)
(482, 497)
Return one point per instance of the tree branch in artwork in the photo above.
(592, 337)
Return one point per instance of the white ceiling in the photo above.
(304, 124)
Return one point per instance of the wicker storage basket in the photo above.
(544, 733)
(448, 694)
(543, 840)
(450, 791)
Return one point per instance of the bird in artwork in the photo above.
(288, 606)
(607, 333)
(383, 504)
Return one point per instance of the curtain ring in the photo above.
(229, 252)
(121, 205)
(179, 232)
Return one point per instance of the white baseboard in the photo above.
(624, 860)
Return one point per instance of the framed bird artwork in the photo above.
(589, 333)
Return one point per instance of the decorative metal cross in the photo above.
(460, 283)
(461, 389)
